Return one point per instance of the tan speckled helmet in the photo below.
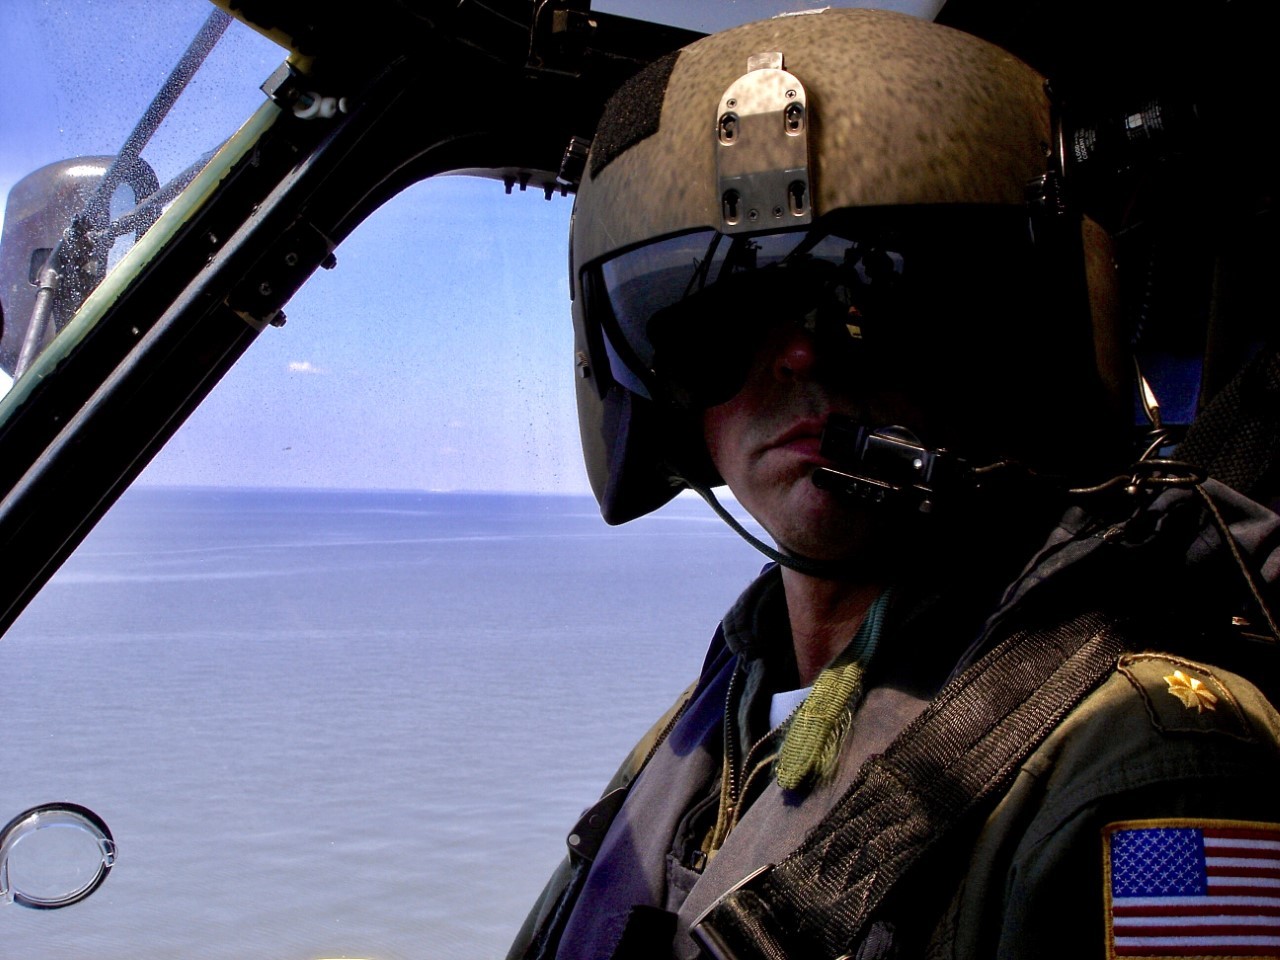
(857, 158)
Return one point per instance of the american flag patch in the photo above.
(1192, 888)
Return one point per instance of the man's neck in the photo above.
(824, 614)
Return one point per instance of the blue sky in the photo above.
(437, 356)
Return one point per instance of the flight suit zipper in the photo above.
(738, 773)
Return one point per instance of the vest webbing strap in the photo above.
(1236, 438)
(960, 753)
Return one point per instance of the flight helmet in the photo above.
(888, 182)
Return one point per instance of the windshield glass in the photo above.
(109, 111)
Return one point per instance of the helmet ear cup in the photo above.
(627, 446)
(622, 445)
(637, 482)
(633, 450)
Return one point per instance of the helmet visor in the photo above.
(908, 299)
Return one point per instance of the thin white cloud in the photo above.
(304, 366)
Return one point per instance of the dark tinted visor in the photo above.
(890, 297)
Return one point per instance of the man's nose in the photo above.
(796, 356)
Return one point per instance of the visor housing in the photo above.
(946, 303)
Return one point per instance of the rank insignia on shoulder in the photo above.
(1192, 888)
(1184, 697)
(1191, 691)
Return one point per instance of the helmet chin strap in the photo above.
(809, 566)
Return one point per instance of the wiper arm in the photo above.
(190, 61)
(91, 227)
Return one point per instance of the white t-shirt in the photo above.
(783, 703)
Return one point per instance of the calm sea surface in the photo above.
(336, 724)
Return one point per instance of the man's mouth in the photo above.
(803, 439)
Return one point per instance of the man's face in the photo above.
(765, 442)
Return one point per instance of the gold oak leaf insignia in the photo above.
(1192, 693)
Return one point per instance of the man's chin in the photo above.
(853, 533)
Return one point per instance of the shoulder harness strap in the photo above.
(960, 754)
(1236, 437)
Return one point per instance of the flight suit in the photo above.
(1143, 750)
(1164, 746)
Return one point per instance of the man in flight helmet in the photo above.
(829, 261)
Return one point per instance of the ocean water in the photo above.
(342, 724)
